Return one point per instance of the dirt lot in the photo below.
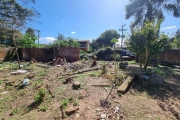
(138, 103)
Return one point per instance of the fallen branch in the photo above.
(47, 86)
(82, 71)
(63, 114)
(101, 85)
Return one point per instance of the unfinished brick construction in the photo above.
(44, 55)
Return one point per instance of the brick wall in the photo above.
(40, 54)
(170, 56)
(70, 53)
(44, 55)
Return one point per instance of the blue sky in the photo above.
(86, 19)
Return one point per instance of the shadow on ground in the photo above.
(167, 95)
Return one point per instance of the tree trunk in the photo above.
(146, 59)
(140, 62)
(13, 37)
(115, 66)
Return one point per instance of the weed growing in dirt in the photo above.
(104, 69)
(157, 118)
(39, 97)
(159, 71)
(22, 93)
(38, 82)
(42, 73)
(64, 103)
(76, 103)
(15, 111)
(44, 108)
(14, 67)
(80, 96)
(70, 99)
(9, 88)
(87, 90)
(95, 74)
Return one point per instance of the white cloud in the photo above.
(46, 40)
(170, 27)
(73, 32)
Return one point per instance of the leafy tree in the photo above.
(105, 38)
(6, 36)
(177, 33)
(31, 32)
(27, 42)
(143, 10)
(64, 42)
(94, 45)
(144, 41)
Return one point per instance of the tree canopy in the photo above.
(144, 41)
(105, 39)
(14, 16)
(143, 10)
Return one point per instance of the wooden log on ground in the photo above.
(122, 89)
(43, 66)
(101, 85)
(47, 86)
(82, 71)
(55, 62)
(34, 60)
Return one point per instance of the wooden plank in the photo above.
(55, 63)
(125, 85)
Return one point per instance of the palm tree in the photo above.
(143, 10)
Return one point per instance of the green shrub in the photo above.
(40, 95)
(64, 103)
(76, 103)
(159, 71)
(15, 111)
(44, 108)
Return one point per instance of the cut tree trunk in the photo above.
(146, 59)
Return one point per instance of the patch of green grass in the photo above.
(44, 108)
(13, 67)
(94, 74)
(70, 99)
(76, 103)
(1, 82)
(159, 71)
(157, 118)
(15, 111)
(22, 93)
(61, 89)
(64, 103)
(40, 95)
(37, 82)
(87, 90)
(132, 62)
(42, 73)
(9, 87)
(80, 96)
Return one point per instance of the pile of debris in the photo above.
(112, 113)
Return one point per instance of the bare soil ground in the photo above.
(138, 103)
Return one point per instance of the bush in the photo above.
(64, 103)
(39, 97)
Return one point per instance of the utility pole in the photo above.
(122, 40)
